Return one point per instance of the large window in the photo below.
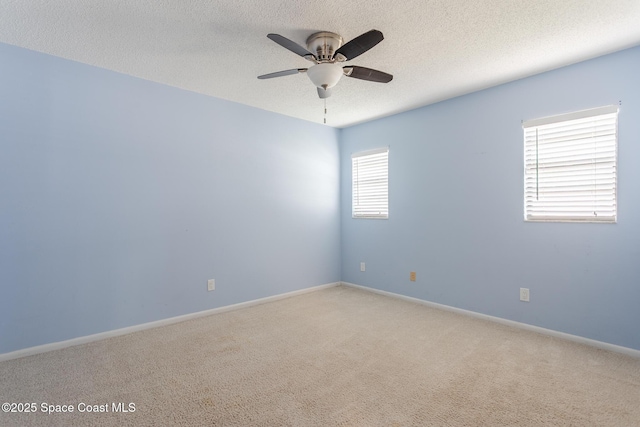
(370, 184)
(570, 164)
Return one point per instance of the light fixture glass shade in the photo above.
(325, 75)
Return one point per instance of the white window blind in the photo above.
(570, 166)
(370, 184)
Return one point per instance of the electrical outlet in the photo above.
(362, 266)
(524, 294)
(211, 285)
(412, 276)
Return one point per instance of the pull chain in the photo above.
(325, 111)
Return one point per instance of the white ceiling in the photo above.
(436, 49)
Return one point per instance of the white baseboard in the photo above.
(575, 338)
(123, 331)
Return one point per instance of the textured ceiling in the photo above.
(436, 49)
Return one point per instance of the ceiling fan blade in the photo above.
(324, 93)
(282, 73)
(368, 74)
(292, 46)
(359, 45)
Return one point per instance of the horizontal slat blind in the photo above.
(370, 185)
(570, 167)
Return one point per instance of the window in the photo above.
(570, 164)
(370, 192)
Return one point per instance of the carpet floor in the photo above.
(335, 357)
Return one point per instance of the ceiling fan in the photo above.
(326, 51)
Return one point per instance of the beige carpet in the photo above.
(336, 357)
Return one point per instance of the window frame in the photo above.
(356, 184)
(605, 164)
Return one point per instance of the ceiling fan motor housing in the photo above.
(324, 44)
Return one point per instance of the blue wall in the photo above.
(120, 197)
(456, 208)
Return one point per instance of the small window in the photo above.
(570, 164)
(370, 190)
